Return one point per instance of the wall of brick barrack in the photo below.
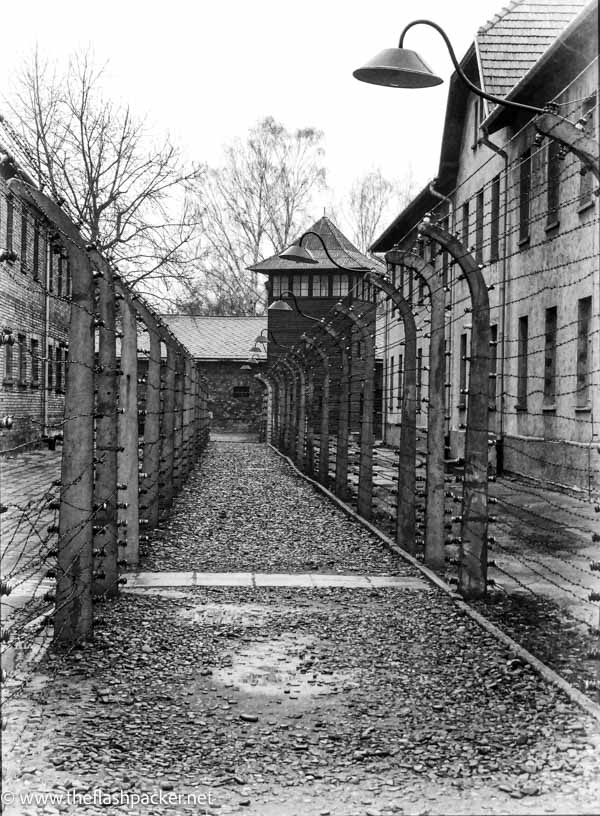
(34, 314)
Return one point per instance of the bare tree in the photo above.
(373, 201)
(127, 194)
(252, 207)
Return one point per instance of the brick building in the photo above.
(221, 346)
(35, 288)
(526, 212)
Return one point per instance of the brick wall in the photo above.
(35, 285)
(233, 407)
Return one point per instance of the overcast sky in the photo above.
(206, 71)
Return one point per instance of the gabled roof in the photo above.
(567, 56)
(218, 338)
(338, 246)
(507, 48)
(512, 42)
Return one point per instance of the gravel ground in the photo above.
(286, 701)
(243, 511)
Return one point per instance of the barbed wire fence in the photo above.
(449, 510)
(135, 422)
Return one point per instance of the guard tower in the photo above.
(316, 286)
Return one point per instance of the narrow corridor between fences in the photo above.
(271, 656)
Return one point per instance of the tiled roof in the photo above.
(338, 246)
(218, 338)
(512, 42)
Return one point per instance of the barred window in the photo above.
(524, 196)
(550, 356)
(522, 362)
(584, 351)
(495, 220)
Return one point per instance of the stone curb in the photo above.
(546, 672)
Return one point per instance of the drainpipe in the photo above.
(485, 140)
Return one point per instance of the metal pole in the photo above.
(73, 613)
(474, 522)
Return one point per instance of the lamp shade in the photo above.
(246, 367)
(280, 306)
(397, 68)
(255, 348)
(260, 339)
(299, 254)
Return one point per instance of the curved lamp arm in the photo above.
(323, 244)
(298, 309)
(496, 99)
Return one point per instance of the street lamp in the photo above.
(402, 68)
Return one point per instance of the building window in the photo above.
(400, 380)
(50, 267)
(35, 362)
(22, 358)
(419, 376)
(58, 371)
(8, 363)
(339, 285)
(10, 218)
(522, 363)
(49, 368)
(586, 184)
(584, 351)
(553, 183)
(524, 196)
(69, 281)
(391, 386)
(462, 375)
(479, 227)
(59, 275)
(300, 285)
(478, 117)
(280, 285)
(465, 224)
(36, 251)
(241, 391)
(550, 357)
(493, 366)
(23, 240)
(320, 285)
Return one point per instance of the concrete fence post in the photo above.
(407, 460)
(367, 440)
(105, 488)
(128, 435)
(434, 520)
(474, 522)
(151, 459)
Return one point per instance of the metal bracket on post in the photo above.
(473, 559)
(573, 138)
(407, 460)
(434, 519)
(365, 472)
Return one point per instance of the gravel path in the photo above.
(287, 701)
(242, 510)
